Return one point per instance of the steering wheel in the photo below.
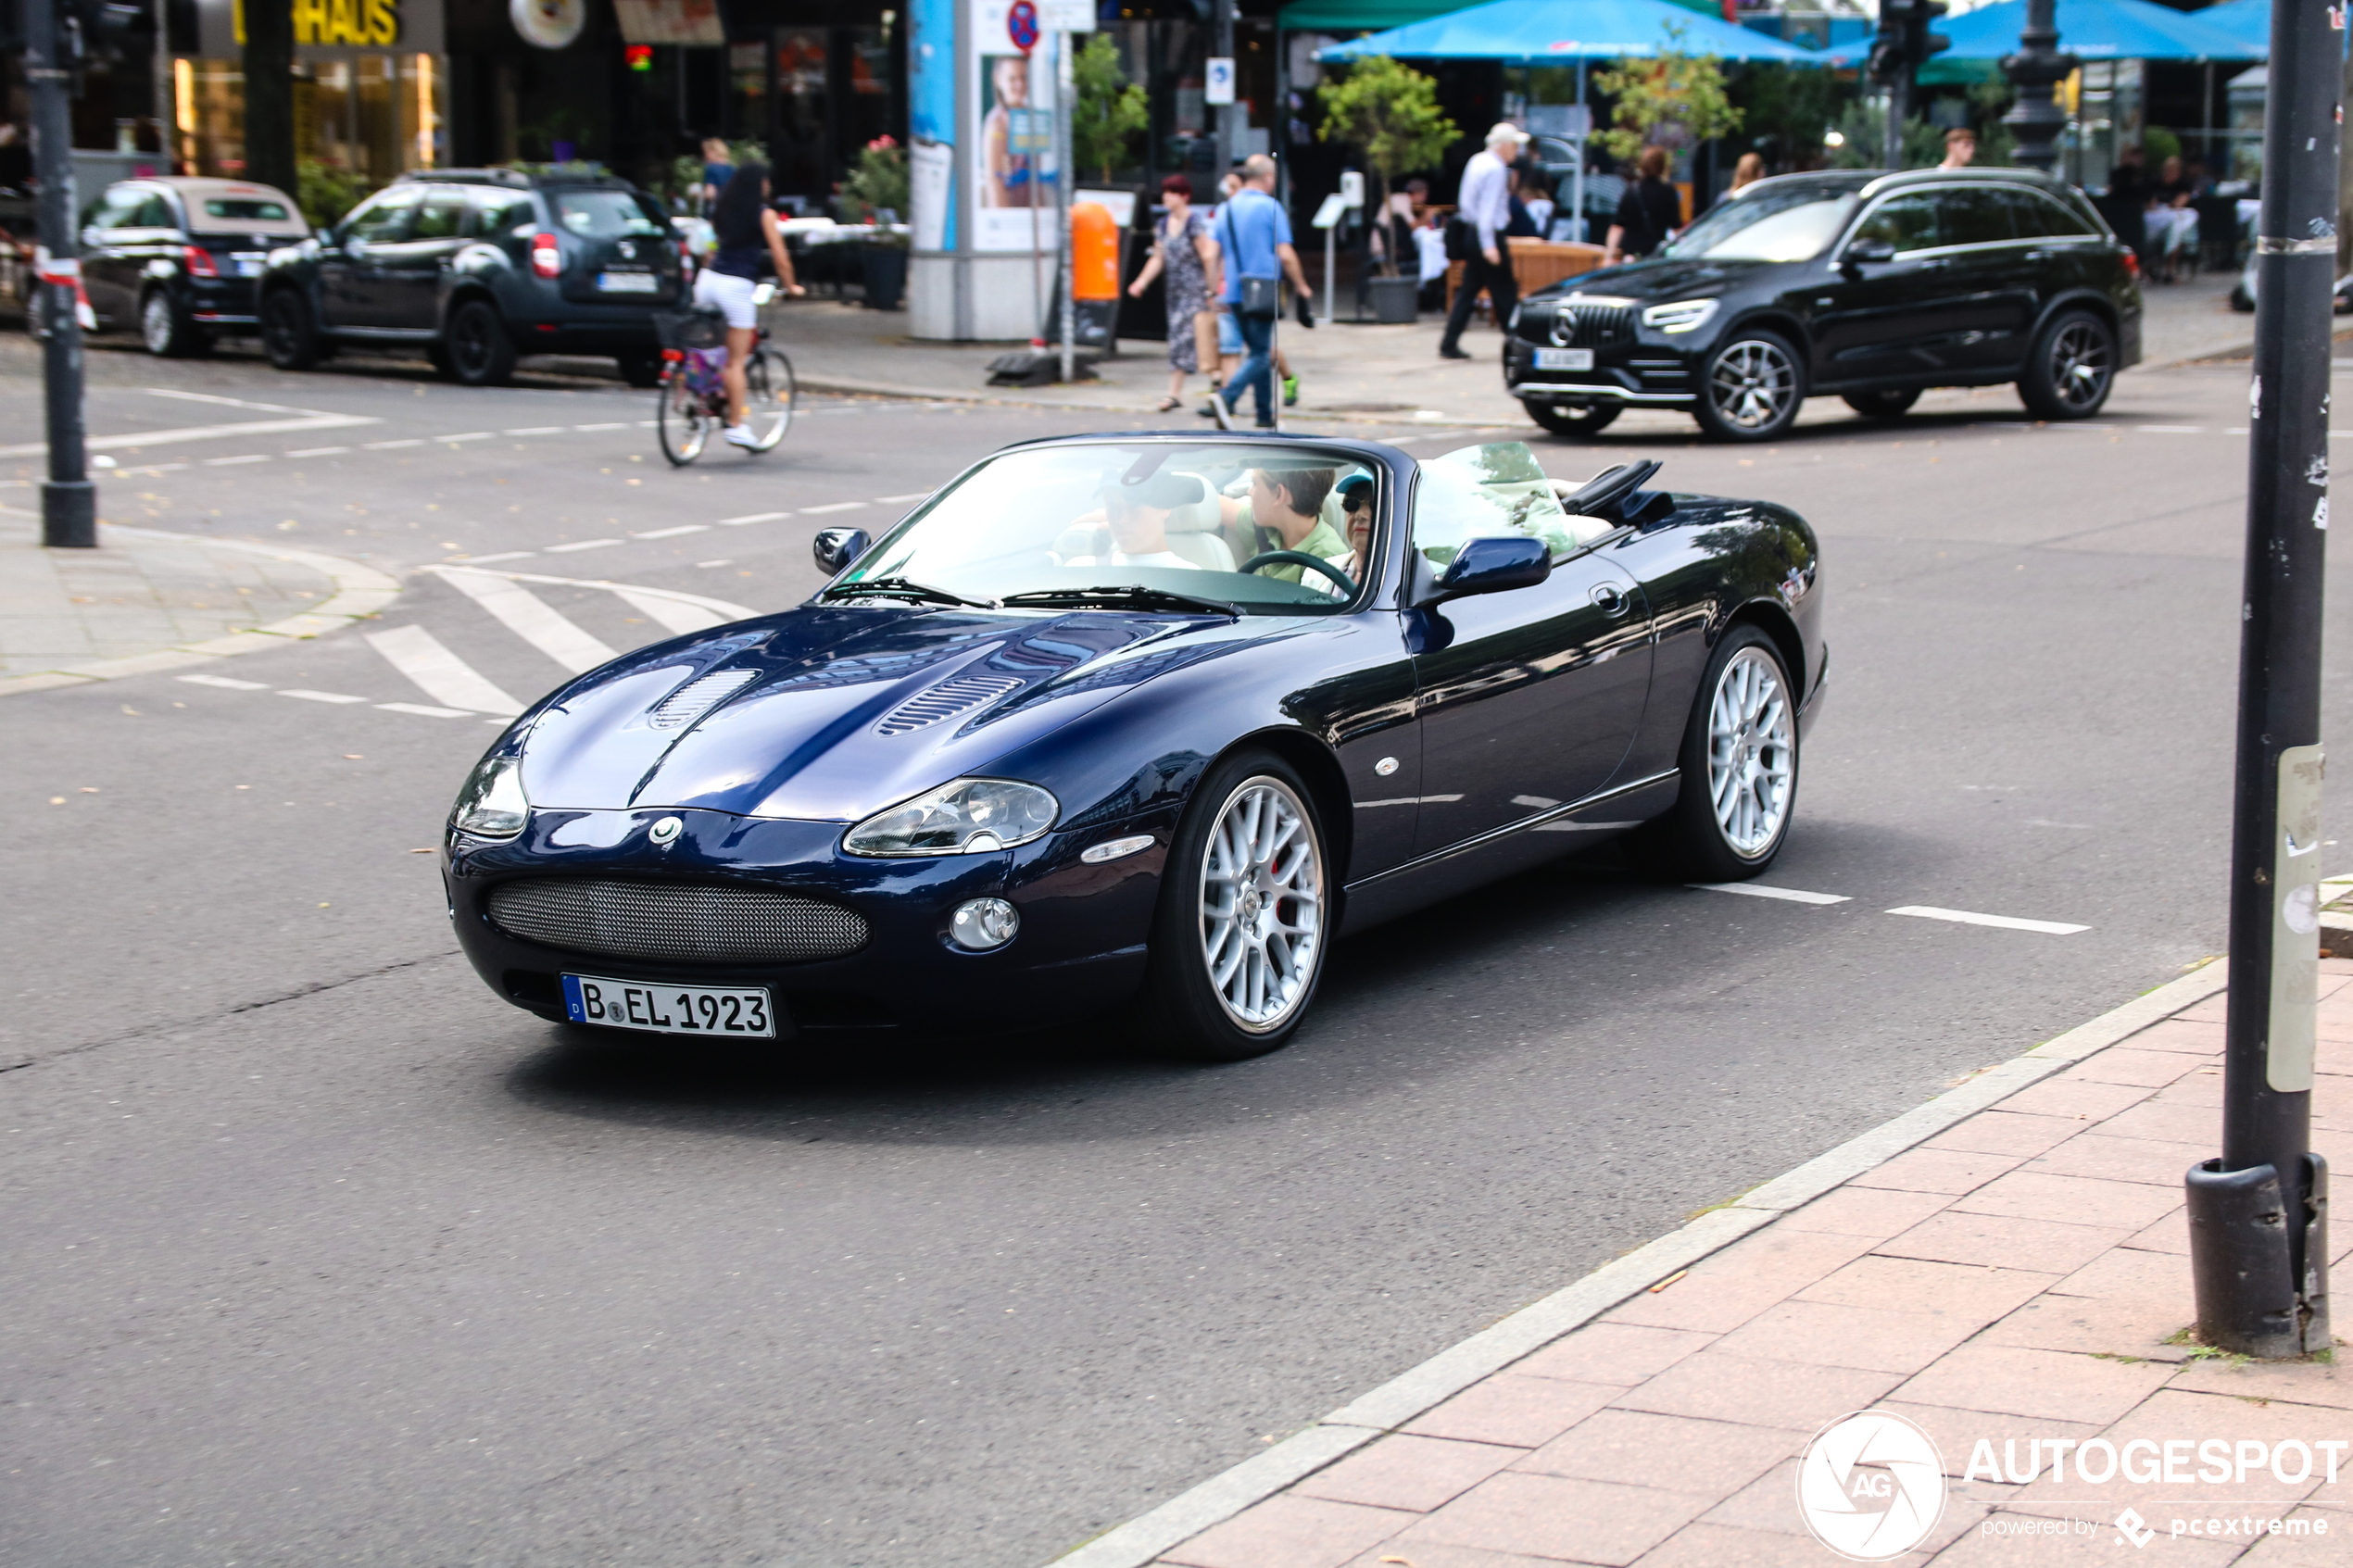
(1301, 558)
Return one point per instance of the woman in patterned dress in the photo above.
(1183, 249)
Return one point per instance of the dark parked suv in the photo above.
(480, 267)
(1870, 285)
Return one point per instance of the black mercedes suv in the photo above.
(1863, 283)
(480, 267)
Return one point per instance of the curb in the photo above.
(854, 386)
(360, 592)
(1380, 1412)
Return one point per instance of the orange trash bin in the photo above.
(1094, 250)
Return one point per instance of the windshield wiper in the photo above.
(908, 586)
(1134, 593)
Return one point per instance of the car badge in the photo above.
(666, 831)
(629, 249)
(1386, 766)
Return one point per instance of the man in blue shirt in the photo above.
(1254, 233)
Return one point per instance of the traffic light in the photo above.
(640, 57)
(1905, 44)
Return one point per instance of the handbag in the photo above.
(1462, 240)
(1262, 298)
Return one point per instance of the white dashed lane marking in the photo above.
(1761, 890)
(2005, 922)
(226, 684)
(672, 533)
(831, 506)
(751, 517)
(307, 695)
(581, 545)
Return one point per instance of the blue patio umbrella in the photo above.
(2249, 21)
(1533, 33)
(2090, 30)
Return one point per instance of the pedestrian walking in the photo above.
(1184, 254)
(1486, 206)
(1648, 214)
(1254, 240)
(1960, 148)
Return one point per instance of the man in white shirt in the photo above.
(1485, 204)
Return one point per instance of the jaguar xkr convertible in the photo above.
(1142, 725)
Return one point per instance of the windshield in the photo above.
(1172, 518)
(1768, 225)
(604, 215)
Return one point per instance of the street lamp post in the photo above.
(2258, 1215)
(2038, 68)
(68, 501)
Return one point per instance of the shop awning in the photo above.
(2249, 21)
(1378, 16)
(2090, 30)
(1556, 32)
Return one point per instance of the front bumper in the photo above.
(1637, 372)
(1080, 948)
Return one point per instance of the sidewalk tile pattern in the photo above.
(2021, 1277)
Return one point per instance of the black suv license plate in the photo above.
(738, 1012)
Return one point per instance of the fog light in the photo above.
(983, 923)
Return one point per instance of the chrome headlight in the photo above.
(493, 805)
(964, 817)
(1683, 316)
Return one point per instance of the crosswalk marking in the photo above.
(581, 545)
(2005, 922)
(441, 674)
(529, 617)
(676, 614)
(423, 712)
(319, 696)
(1762, 890)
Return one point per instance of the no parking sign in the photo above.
(1021, 24)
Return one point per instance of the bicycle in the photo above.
(692, 399)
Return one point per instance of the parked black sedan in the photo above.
(1869, 285)
(478, 267)
(1142, 720)
(176, 257)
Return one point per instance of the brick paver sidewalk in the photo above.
(2021, 1275)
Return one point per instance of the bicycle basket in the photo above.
(690, 329)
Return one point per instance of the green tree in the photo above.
(1111, 108)
(1784, 109)
(877, 184)
(1672, 99)
(1862, 132)
(1389, 114)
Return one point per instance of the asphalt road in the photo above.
(316, 1252)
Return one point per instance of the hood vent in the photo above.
(944, 701)
(696, 698)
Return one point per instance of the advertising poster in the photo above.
(1012, 166)
(931, 123)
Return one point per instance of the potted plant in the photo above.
(876, 193)
(1389, 114)
(1111, 112)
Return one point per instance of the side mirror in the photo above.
(834, 548)
(1866, 253)
(1495, 566)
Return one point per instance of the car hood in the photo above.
(833, 713)
(1665, 278)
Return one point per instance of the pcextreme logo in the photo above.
(1870, 1487)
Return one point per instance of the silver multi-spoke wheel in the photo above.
(1752, 756)
(1753, 386)
(1262, 903)
(2081, 364)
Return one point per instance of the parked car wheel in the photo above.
(289, 331)
(2071, 369)
(1738, 766)
(167, 330)
(640, 370)
(1240, 934)
(480, 352)
(1562, 420)
(1751, 388)
(1883, 405)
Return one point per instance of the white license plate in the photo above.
(645, 282)
(1564, 358)
(250, 266)
(743, 1013)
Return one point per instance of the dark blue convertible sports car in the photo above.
(1144, 722)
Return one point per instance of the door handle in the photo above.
(1608, 599)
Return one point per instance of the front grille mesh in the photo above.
(1592, 326)
(690, 922)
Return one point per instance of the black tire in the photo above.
(475, 340)
(1692, 840)
(166, 329)
(2071, 369)
(772, 396)
(1883, 405)
(1751, 387)
(1183, 1009)
(289, 332)
(1561, 419)
(682, 424)
(642, 369)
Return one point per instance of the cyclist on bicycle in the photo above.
(742, 223)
